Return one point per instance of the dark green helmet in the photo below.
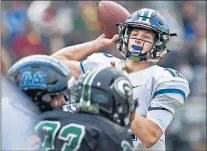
(106, 92)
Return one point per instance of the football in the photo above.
(109, 15)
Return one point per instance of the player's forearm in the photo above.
(80, 51)
(73, 66)
(146, 130)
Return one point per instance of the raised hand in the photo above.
(106, 41)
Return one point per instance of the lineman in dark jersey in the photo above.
(101, 106)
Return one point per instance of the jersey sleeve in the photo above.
(97, 60)
(170, 94)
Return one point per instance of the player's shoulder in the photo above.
(161, 74)
(98, 60)
(156, 75)
(117, 135)
(108, 126)
(104, 123)
(54, 114)
(102, 56)
(169, 81)
(96, 128)
(115, 129)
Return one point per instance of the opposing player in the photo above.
(142, 40)
(103, 106)
(43, 79)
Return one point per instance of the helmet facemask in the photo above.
(156, 52)
(147, 19)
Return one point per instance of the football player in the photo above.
(142, 40)
(45, 81)
(103, 106)
(42, 78)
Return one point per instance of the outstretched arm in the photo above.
(81, 51)
(73, 66)
(71, 56)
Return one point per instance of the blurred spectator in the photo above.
(5, 61)
(189, 12)
(28, 44)
(88, 10)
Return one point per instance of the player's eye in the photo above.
(134, 34)
(147, 37)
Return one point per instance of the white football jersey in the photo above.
(98, 60)
(160, 91)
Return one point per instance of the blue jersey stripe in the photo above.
(81, 65)
(163, 91)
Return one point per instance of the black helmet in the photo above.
(41, 77)
(107, 92)
(148, 19)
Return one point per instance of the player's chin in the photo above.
(57, 102)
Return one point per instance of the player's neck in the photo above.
(132, 66)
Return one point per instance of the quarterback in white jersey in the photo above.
(142, 40)
(160, 91)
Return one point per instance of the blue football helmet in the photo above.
(148, 19)
(42, 78)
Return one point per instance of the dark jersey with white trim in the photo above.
(60, 130)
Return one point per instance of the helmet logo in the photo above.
(123, 87)
(31, 80)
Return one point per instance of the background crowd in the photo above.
(43, 27)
